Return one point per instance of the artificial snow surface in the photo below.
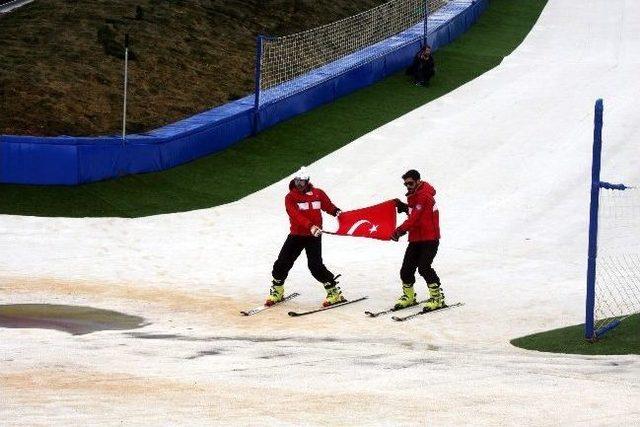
(509, 154)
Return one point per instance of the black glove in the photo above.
(401, 206)
(397, 233)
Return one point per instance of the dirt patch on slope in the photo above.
(168, 303)
(117, 396)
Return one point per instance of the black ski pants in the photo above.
(422, 70)
(292, 249)
(419, 255)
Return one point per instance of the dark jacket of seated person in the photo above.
(423, 67)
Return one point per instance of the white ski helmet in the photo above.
(302, 174)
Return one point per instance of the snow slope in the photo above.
(509, 154)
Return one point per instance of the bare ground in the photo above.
(61, 63)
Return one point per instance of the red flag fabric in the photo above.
(374, 222)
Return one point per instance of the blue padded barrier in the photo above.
(401, 58)
(25, 161)
(301, 102)
(357, 78)
(66, 160)
(102, 161)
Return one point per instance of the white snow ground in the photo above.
(510, 155)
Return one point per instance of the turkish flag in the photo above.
(374, 222)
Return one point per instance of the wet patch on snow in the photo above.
(76, 320)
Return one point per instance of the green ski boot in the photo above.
(408, 297)
(276, 293)
(436, 298)
(334, 294)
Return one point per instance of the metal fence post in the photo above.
(593, 221)
(126, 73)
(258, 81)
(426, 26)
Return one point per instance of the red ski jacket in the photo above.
(304, 208)
(424, 219)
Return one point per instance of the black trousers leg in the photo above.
(427, 254)
(314, 260)
(291, 250)
(419, 255)
(425, 76)
(410, 263)
(417, 74)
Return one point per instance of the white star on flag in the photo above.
(373, 229)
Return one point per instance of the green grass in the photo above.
(257, 162)
(625, 339)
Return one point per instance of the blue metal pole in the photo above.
(258, 68)
(593, 221)
(426, 17)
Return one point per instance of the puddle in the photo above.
(76, 320)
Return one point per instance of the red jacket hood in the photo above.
(424, 186)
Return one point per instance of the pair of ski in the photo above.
(410, 316)
(289, 297)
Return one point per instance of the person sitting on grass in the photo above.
(423, 67)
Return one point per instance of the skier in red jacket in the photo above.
(304, 204)
(423, 226)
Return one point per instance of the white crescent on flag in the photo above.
(355, 226)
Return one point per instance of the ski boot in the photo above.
(334, 294)
(276, 293)
(408, 297)
(436, 298)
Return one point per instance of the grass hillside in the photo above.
(61, 62)
(257, 162)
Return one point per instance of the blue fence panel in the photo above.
(104, 159)
(208, 137)
(357, 78)
(27, 160)
(301, 102)
(401, 58)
